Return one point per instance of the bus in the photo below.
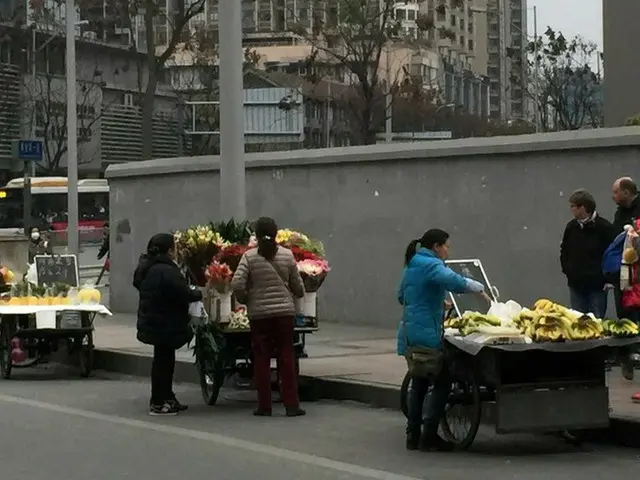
(49, 205)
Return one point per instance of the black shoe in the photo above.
(295, 412)
(262, 413)
(166, 410)
(178, 406)
(413, 440)
(433, 443)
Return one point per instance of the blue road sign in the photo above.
(30, 150)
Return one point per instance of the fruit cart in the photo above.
(232, 355)
(543, 372)
(29, 334)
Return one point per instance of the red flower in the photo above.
(231, 255)
(301, 254)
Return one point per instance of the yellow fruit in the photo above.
(630, 255)
(89, 295)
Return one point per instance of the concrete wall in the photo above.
(504, 200)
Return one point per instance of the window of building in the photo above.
(453, 20)
(470, 27)
(411, 14)
(471, 45)
(401, 14)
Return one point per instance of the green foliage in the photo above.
(233, 231)
(208, 347)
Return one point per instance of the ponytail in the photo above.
(267, 247)
(411, 251)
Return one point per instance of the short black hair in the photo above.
(629, 185)
(582, 198)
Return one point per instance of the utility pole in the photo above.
(73, 239)
(232, 162)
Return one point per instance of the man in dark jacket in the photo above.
(163, 318)
(585, 239)
(625, 195)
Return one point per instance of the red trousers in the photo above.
(269, 336)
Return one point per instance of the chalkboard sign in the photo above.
(468, 301)
(52, 269)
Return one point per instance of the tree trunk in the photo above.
(152, 82)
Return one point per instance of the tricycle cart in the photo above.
(235, 358)
(39, 331)
(550, 387)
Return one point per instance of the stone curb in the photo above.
(621, 431)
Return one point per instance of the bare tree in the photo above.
(354, 35)
(47, 102)
(569, 92)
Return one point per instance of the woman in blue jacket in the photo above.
(423, 289)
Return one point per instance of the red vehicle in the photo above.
(49, 206)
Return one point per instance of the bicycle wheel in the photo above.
(463, 412)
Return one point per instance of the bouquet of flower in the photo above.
(196, 247)
(291, 239)
(219, 276)
(231, 255)
(313, 273)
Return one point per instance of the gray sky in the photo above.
(572, 17)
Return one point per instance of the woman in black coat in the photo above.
(163, 318)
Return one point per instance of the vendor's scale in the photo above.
(471, 268)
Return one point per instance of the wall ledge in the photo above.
(544, 142)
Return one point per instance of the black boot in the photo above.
(413, 439)
(430, 441)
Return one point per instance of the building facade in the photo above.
(622, 61)
(507, 58)
(33, 104)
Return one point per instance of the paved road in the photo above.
(56, 427)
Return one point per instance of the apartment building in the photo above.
(507, 58)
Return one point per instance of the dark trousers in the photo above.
(436, 402)
(589, 301)
(271, 336)
(162, 368)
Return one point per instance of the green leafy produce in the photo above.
(233, 231)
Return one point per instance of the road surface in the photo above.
(57, 427)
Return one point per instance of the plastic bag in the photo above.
(31, 275)
(629, 257)
(198, 313)
(506, 312)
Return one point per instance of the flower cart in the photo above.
(222, 346)
(36, 321)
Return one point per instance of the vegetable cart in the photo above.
(30, 333)
(223, 352)
(534, 388)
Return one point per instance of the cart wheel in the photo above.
(86, 356)
(404, 394)
(462, 417)
(5, 351)
(211, 383)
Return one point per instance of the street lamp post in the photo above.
(232, 165)
(73, 239)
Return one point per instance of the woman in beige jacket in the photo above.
(266, 280)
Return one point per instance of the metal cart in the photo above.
(69, 326)
(236, 359)
(551, 387)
